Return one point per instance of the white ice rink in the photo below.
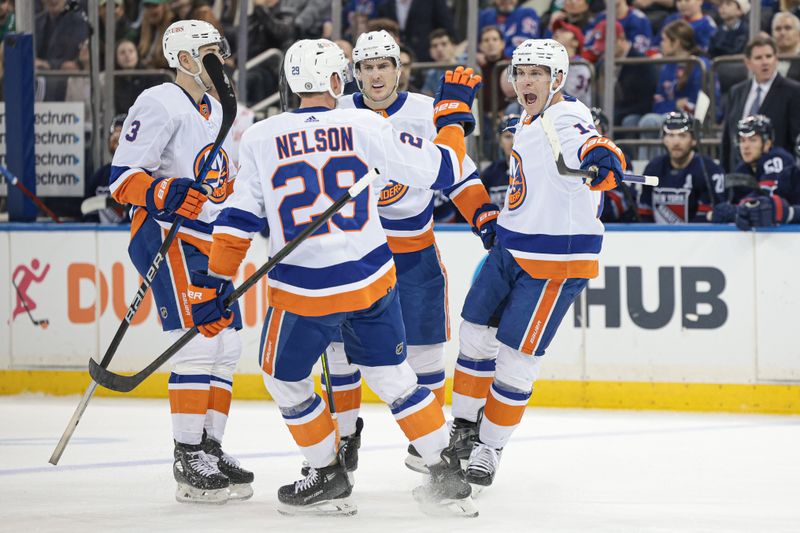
(565, 470)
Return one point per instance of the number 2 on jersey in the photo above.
(332, 181)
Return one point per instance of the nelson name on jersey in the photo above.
(339, 139)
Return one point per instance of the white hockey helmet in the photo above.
(189, 36)
(309, 63)
(376, 45)
(545, 53)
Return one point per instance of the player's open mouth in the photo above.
(378, 85)
(529, 98)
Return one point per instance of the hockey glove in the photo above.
(484, 224)
(763, 211)
(723, 213)
(207, 295)
(175, 196)
(601, 154)
(453, 101)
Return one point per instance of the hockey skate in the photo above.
(323, 491)
(414, 461)
(463, 435)
(348, 451)
(483, 464)
(240, 479)
(199, 479)
(446, 493)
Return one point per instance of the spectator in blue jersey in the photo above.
(731, 37)
(691, 11)
(97, 184)
(517, 23)
(776, 200)
(495, 176)
(576, 12)
(690, 184)
(679, 83)
(363, 9)
(635, 24)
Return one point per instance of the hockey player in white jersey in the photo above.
(549, 237)
(167, 135)
(342, 278)
(406, 215)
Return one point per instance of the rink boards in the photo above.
(698, 318)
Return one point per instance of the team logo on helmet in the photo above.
(516, 183)
(392, 193)
(217, 177)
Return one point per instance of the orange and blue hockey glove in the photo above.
(602, 155)
(175, 196)
(484, 224)
(207, 295)
(453, 101)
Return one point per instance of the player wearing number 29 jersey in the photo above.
(342, 277)
(294, 166)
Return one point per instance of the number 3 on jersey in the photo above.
(299, 209)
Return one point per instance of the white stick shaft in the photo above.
(73, 423)
(356, 188)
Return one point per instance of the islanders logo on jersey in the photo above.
(392, 193)
(216, 180)
(517, 188)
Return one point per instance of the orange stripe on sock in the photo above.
(345, 400)
(539, 322)
(271, 342)
(439, 393)
(188, 401)
(425, 421)
(219, 400)
(313, 432)
(472, 386)
(502, 414)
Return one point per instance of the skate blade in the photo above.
(416, 464)
(477, 489)
(464, 507)
(338, 507)
(188, 494)
(241, 491)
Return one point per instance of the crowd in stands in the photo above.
(683, 40)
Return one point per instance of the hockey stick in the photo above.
(326, 375)
(119, 383)
(213, 66)
(43, 323)
(564, 170)
(13, 180)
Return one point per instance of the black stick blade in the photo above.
(227, 96)
(110, 380)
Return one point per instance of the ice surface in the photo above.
(564, 470)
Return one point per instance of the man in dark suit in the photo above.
(767, 93)
(417, 19)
